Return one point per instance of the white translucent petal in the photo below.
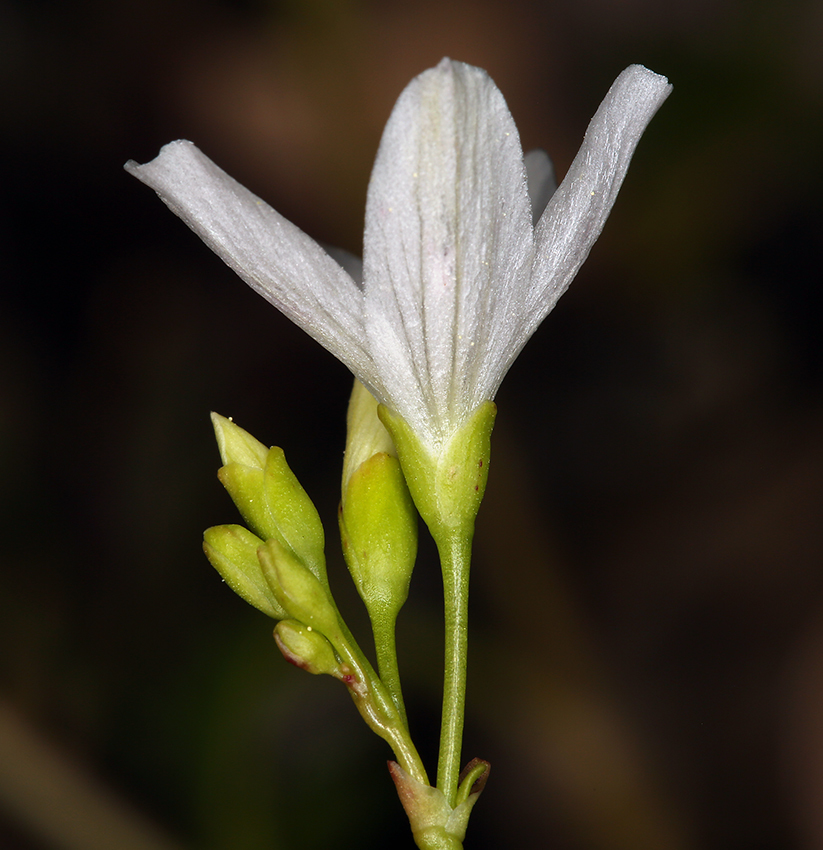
(542, 182)
(448, 245)
(274, 257)
(579, 208)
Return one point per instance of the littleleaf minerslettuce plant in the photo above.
(467, 248)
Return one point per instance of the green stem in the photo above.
(455, 559)
(378, 708)
(383, 627)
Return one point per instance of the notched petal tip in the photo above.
(171, 150)
(639, 90)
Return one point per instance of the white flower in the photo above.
(455, 277)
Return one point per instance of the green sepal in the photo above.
(294, 513)
(232, 551)
(245, 486)
(378, 526)
(447, 484)
(298, 591)
(306, 648)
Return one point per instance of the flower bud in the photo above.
(268, 495)
(305, 648)
(378, 525)
(232, 551)
(297, 590)
(297, 521)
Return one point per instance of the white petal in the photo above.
(541, 181)
(274, 257)
(579, 208)
(448, 244)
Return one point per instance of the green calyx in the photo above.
(447, 484)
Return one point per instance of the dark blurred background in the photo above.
(647, 648)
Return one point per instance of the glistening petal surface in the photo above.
(577, 211)
(448, 246)
(269, 253)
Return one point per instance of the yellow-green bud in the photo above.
(296, 518)
(297, 590)
(378, 525)
(268, 495)
(305, 648)
(232, 551)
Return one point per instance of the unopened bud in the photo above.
(378, 525)
(232, 551)
(237, 445)
(305, 648)
(268, 494)
(366, 435)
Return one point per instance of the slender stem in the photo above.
(383, 627)
(455, 559)
(378, 708)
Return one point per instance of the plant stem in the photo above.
(383, 627)
(378, 709)
(455, 559)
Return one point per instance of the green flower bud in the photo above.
(232, 551)
(268, 495)
(297, 590)
(378, 525)
(448, 487)
(306, 648)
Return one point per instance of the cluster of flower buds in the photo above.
(276, 562)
